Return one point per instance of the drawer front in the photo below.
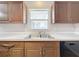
(15, 44)
(33, 45)
(54, 44)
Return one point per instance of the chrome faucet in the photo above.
(41, 33)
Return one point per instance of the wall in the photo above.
(12, 28)
(55, 28)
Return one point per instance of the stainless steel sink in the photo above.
(40, 36)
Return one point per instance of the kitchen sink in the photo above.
(40, 36)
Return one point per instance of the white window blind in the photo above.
(39, 18)
(39, 24)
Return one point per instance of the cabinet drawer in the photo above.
(33, 45)
(54, 44)
(16, 44)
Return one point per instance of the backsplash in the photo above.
(54, 28)
(12, 28)
(63, 27)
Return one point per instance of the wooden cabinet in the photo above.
(13, 11)
(30, 49)
(51, 49)
(11, 49)
(61, 12)
(33, 49)
(42, 49)
(16, 12)
(66, 12)
(74, 10)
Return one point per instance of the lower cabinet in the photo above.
(11, 49)
(30, 49)
(42, 49)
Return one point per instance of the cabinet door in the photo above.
(33, 52)
(51, 52)
(16, 12)
(61, 12)
(33, 49)
(74, 11)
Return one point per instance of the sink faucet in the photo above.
(41, 33)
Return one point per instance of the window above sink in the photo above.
(39, 18)
(39, 14)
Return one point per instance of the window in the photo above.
(39, 18)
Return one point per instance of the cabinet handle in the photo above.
(43, 52)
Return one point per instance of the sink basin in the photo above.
(41, 36)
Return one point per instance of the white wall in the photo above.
(55, 28)
(12, 28)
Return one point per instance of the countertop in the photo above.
(23, 37)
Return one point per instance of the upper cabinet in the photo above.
(74, 12)
(11, 12)
(61, 12)
(16, 12)
(67, 12)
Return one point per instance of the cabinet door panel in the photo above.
(15, 12)
(74, 12)
(61, 12)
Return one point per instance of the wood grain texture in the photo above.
(15, 11)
